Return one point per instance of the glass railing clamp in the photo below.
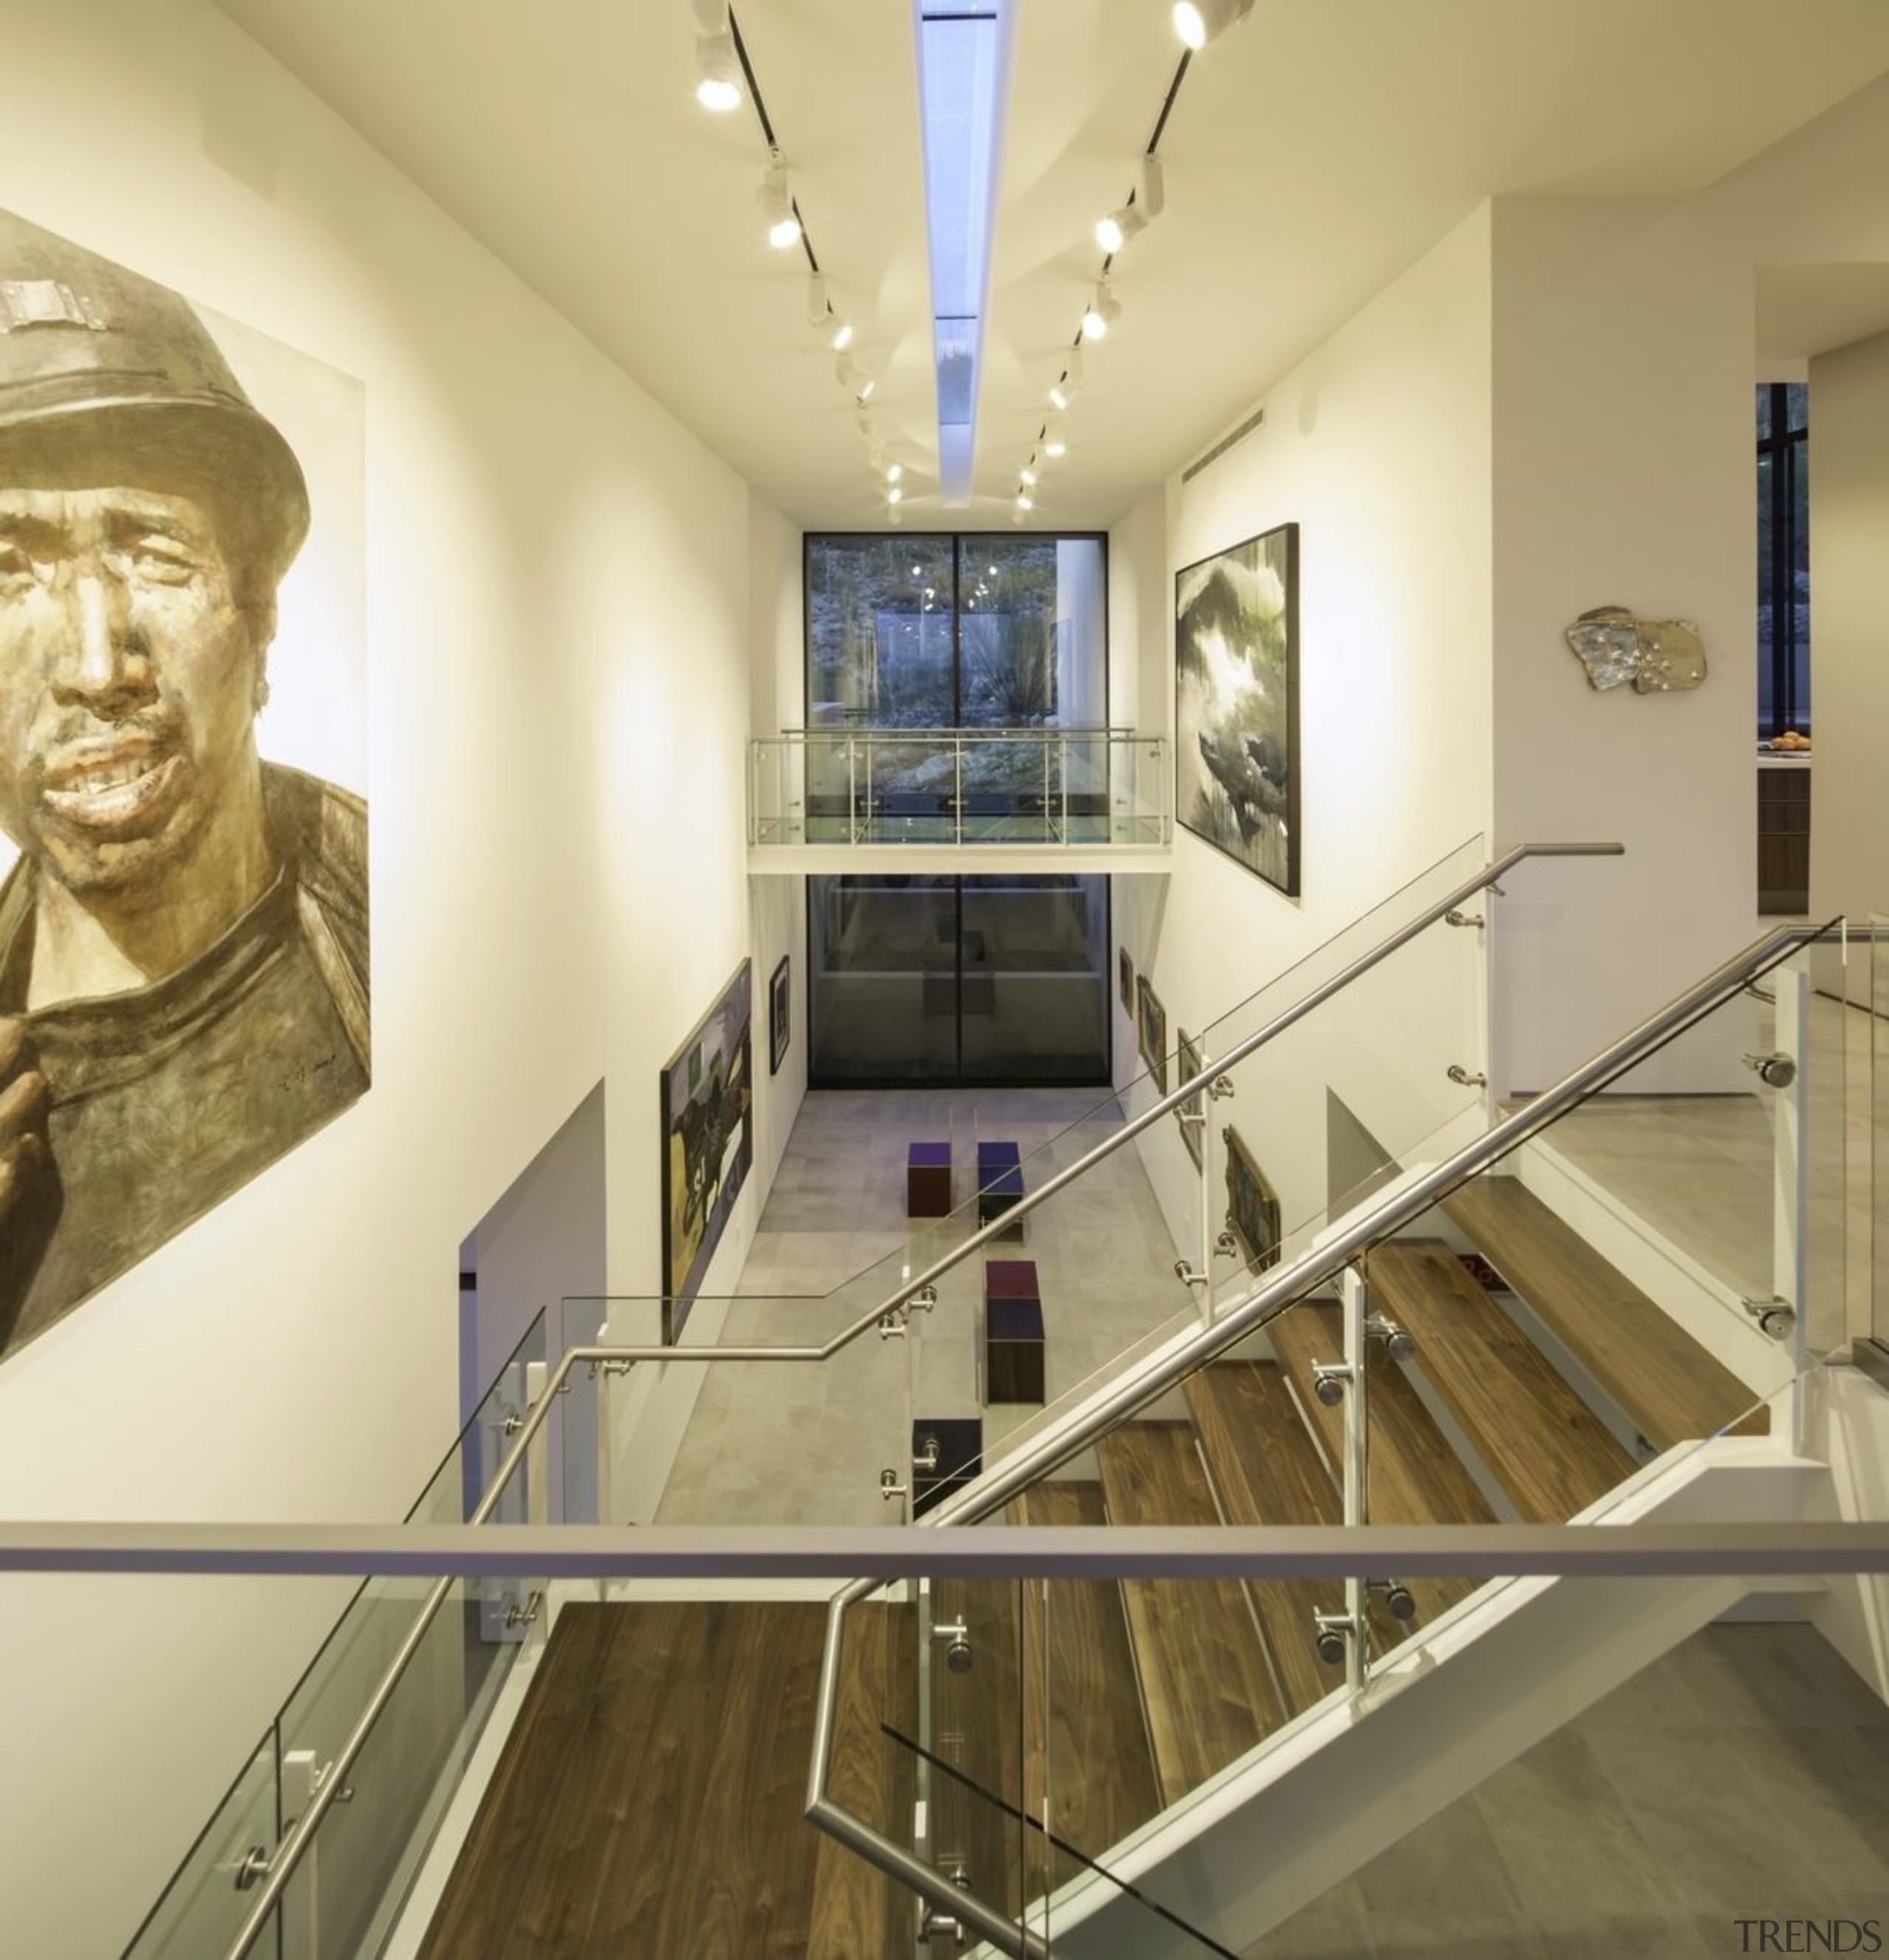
(1775, 1316)
(1398, 1343)
(1776, 1070)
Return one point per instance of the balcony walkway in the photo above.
(1009, 800)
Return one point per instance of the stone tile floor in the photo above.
(779, 1445)
(1745, 1775)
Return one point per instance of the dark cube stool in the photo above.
(999, 1182)
(1012, 1332)
(928, 1180)
(960, 1446)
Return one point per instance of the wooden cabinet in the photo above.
(1784, 839)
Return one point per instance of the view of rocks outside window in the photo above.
(964, 631)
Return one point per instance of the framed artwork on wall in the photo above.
(1152, 1025)
(1191, 1116)
(707, 1090)
(779, 1016)
(1126, 968)
(1236, 703)
(1252, 1205)
(206, 452)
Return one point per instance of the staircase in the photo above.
(1530, 1401)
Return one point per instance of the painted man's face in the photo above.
(128, 681)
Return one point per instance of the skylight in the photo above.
(961, 79)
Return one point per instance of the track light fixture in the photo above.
(893, 471)
(1103, 311)
(1027, 477)
(1054, 443)
(894, 494)
(717, 67)
(776, 200)
(1064, 387)
(1199, 21)
(1143, 207)
(1025, 501)
(837, 331)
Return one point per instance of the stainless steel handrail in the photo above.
(586, 1553)
(289, 1852)
(894, 732)
(1288, 1283)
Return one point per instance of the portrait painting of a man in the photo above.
(183, 930)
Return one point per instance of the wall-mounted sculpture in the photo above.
(1657, 656)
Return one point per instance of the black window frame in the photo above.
(959, 540)
(1788, 449)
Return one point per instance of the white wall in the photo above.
(1377, 446)
(1849, 631)
(1622, 379)
(560, 691)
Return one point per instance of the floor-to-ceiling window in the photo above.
(946, 978)
(1784, 648)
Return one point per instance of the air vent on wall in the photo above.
(1254, 421)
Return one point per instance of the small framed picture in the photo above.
(779, 1016)
(1191, 1116)
(1252, 1205)
(1152, 1024)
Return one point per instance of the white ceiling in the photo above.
(1311, 153)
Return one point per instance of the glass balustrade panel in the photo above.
(352, 1882)
(373, 1837)
(769, 1441)
(901, 784)
(207, 1901)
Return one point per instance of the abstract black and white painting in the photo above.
(707, 1099)
(1236, 703)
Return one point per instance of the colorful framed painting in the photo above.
(1152, 1029)
(1125, 968)
(1236, 703)
(779, 1012)
(1191, 1115)
(706, 1089)
(1252, 1205)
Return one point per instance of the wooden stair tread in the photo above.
(1204, 1682)
(1412, 1476)
(1101, 1784)
(1551, 1454)
(1670, 1386)
(1268, 1471)
(650, 1797)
